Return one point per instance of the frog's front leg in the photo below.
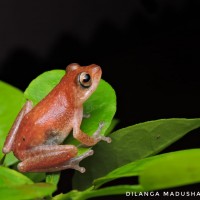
(50, 158)
(13, 131)
(83, 137)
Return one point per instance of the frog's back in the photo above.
(47, 123)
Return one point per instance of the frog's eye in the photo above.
(84, 80)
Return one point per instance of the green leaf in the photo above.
(36, 177)
(9, 177)
(114, 190)
(14, 185)
(11, 101)
(27, 191)
(10, 159)
(131, 144)
(53, 178)
(100, 107)
(172, 170)
(42, 85)
(129, 170)
(112, 126)
(157, 172)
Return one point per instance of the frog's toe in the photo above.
(106, 139)
(78, 168)
(100, 137)
(74, 162)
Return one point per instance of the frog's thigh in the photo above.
(12, 133)
(45, 157)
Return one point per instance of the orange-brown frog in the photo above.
(37, 133)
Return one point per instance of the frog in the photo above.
(38, 132)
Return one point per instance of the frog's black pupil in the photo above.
(86, 78)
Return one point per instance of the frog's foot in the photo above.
(73, 163)
(97, 136)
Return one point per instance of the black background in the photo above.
(148, 50)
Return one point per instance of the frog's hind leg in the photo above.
(49, 158)
(13, 131)
(73, 163)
